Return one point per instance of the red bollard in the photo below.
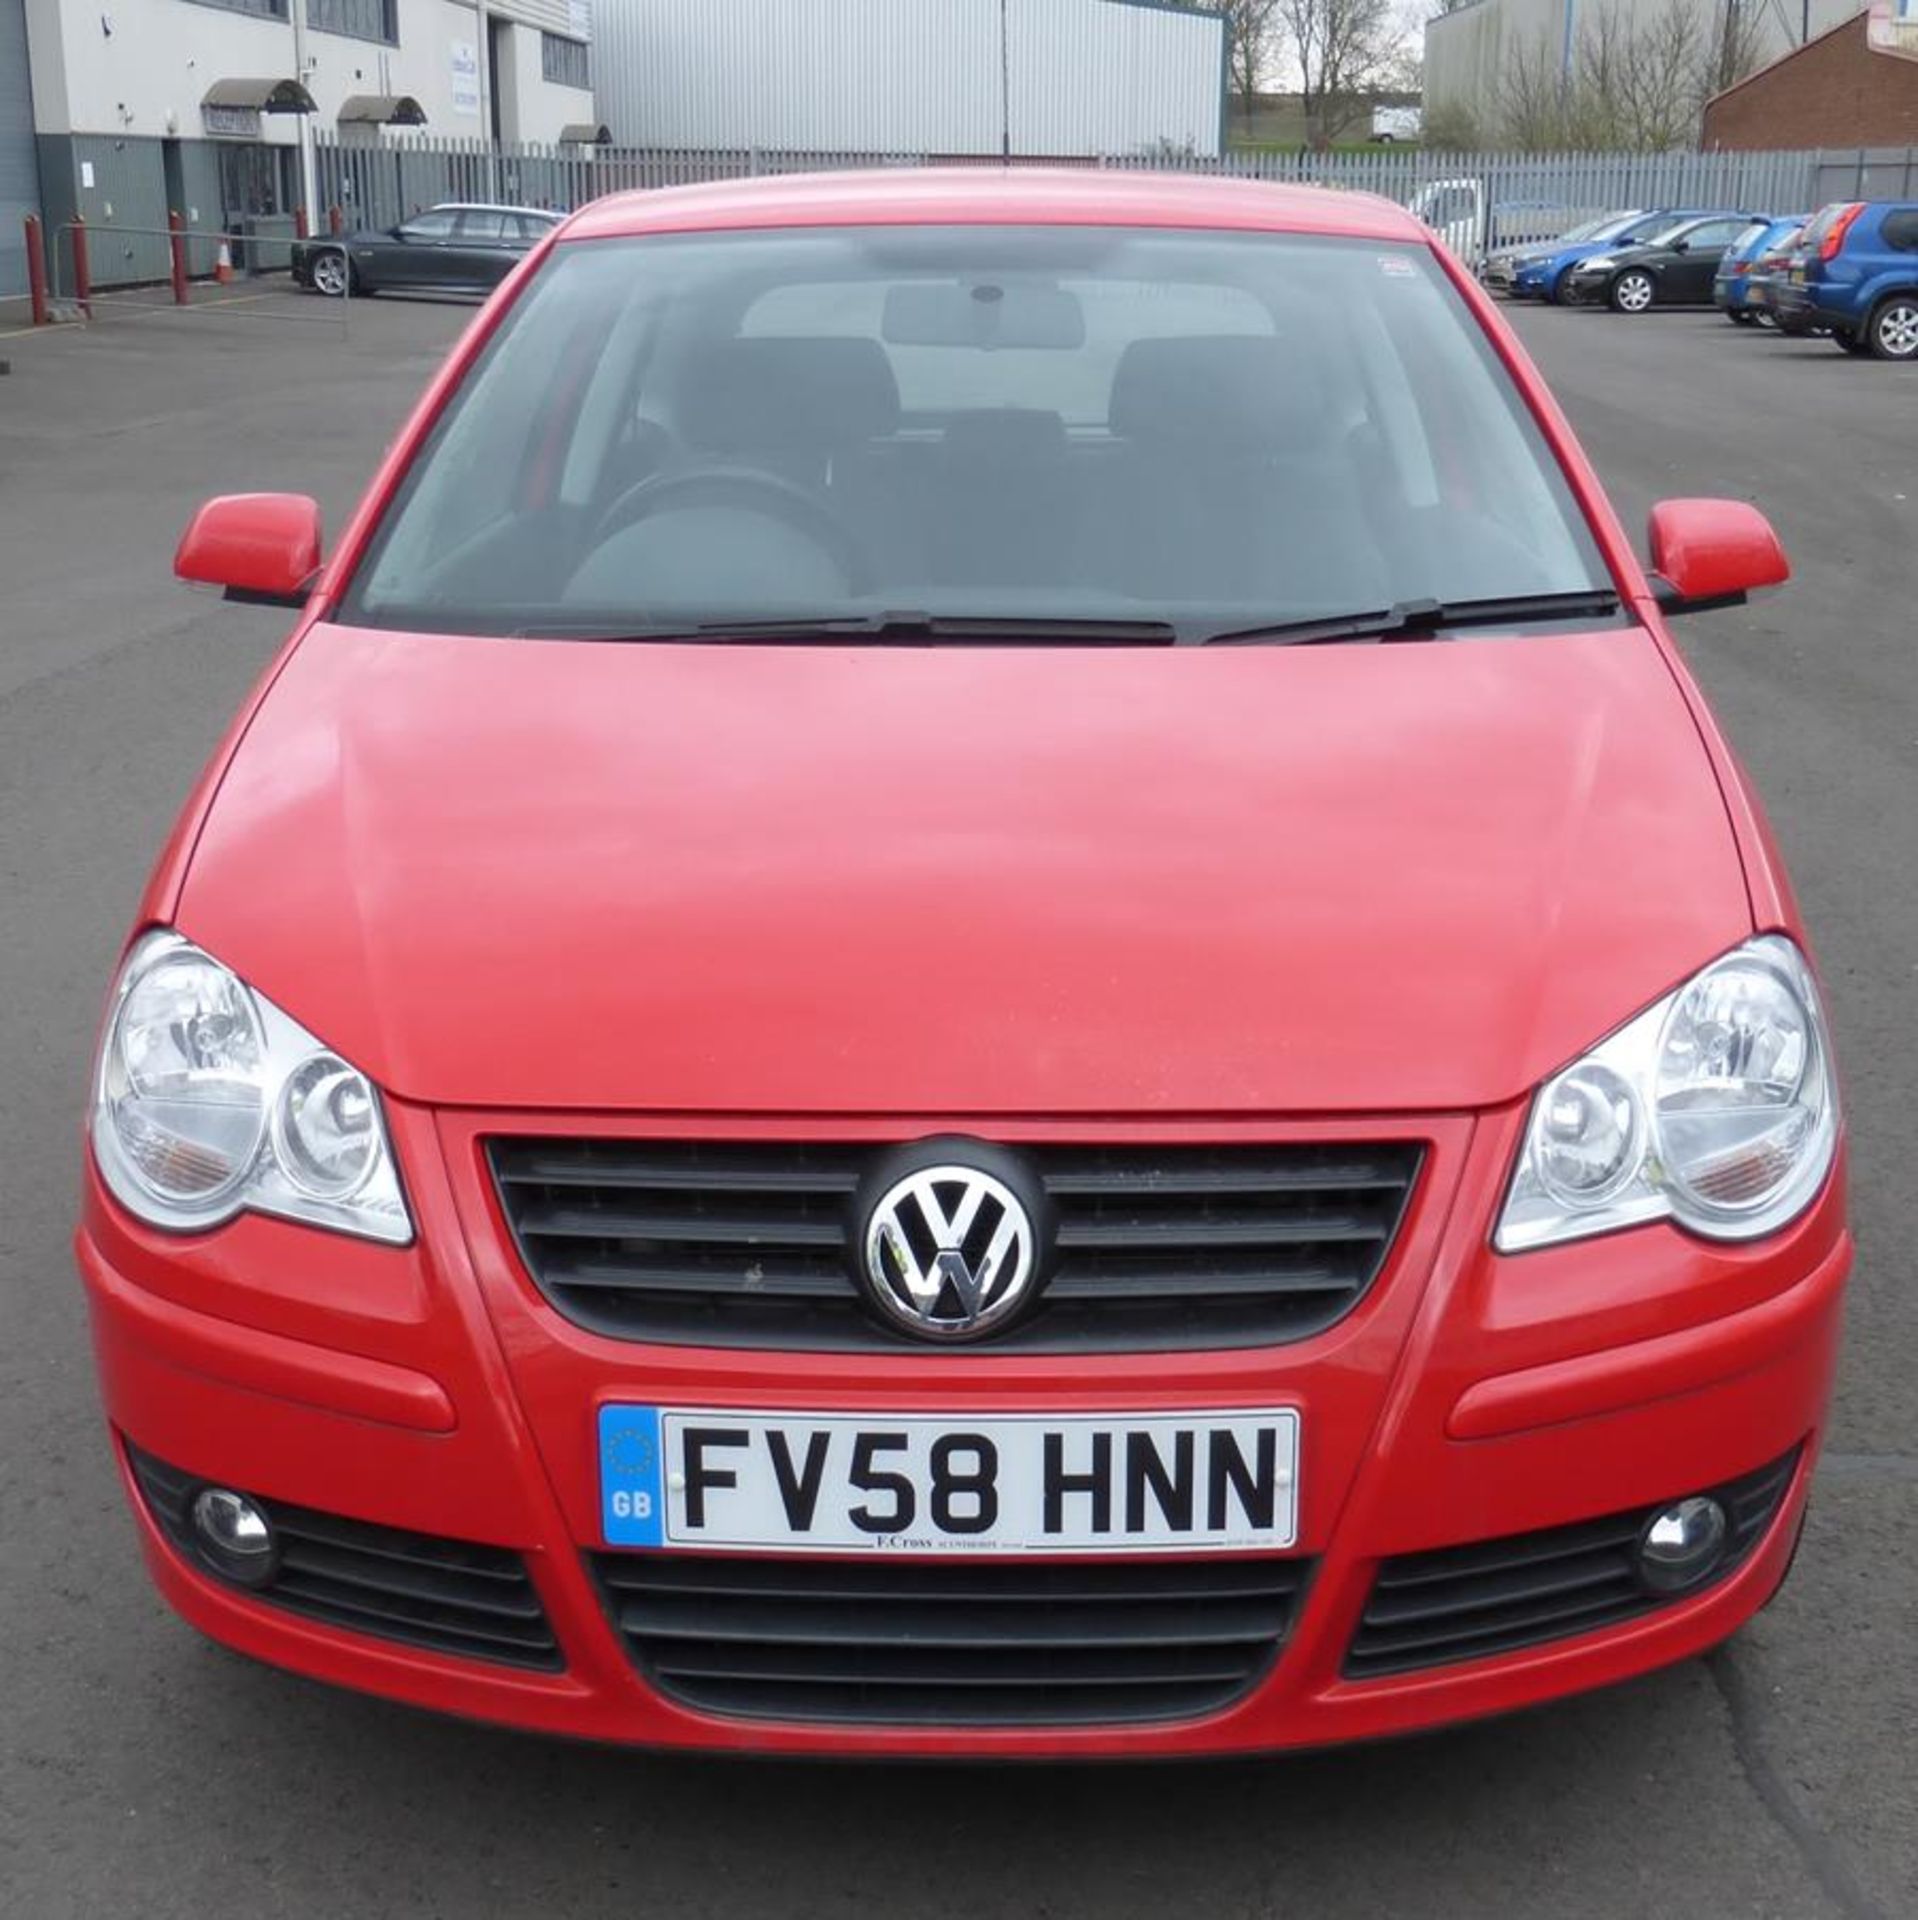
(334, 222)
(82, 273)
(36, 273)
(299, 223)
(176, 240)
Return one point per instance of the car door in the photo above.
(416, 253)
(486, 242)
(1690, 274)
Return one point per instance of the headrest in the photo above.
(1006, 436)
(1237, 392)
(778, 392)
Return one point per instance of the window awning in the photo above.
(582, 133)
(382, 110)
(263, 96)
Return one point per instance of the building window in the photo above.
(563, 61)
(266, 9)
(357, 19)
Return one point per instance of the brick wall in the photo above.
(1835, 92)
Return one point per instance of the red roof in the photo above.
(1013, 196)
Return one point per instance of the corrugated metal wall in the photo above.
(919, 76)
(19, 170)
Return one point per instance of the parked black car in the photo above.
(447, 249)
(1674, 267)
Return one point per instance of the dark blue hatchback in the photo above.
(1731, 288)
(1856, 274)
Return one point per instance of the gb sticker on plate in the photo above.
(631, 1506)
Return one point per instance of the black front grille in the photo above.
(749, 1244)
(951, 1643)
(444, 1595)
(1464, 1603)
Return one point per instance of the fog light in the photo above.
(1682, 1544)
(234, 1536)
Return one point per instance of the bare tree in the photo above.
(1635, 80)
(1344, 49)
(1738, 45)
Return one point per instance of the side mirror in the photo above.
(1712, 553)
(1681, 246)
(261, 547)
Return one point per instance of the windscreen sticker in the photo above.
(632, 1511)
(1397, 266)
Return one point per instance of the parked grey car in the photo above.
(453, 248)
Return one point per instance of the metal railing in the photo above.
(157, 270)
(380, 185)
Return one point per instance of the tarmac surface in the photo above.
(145, 1772)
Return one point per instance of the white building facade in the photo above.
(211, 107)
(1044, 78)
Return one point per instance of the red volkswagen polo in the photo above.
(978, 983)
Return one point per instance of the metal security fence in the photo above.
(1521, 195)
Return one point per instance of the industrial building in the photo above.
(120, 110)
(1033, 78)
(1468, 51)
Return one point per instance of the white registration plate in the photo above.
(947, 1483)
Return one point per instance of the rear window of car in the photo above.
(1822, 222)
(1901, 229)
(1199, 428)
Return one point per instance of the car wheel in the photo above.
(1632, 292)
(1560, 291)
(1740, 318)
(1892, 330)
(332, 275)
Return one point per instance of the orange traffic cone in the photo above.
(223, 267)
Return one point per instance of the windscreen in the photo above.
(1203, 429)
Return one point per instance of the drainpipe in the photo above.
(483, 45)
(1565, 52)
(296, 13)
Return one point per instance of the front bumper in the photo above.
(1468, 1397)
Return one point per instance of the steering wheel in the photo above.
(751, 489)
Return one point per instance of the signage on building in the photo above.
(231, 123)
(466, 93)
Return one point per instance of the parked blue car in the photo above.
(1500, 267)
(1536, 272)
(1731, 285)
(1548, 277)
(1856, 274)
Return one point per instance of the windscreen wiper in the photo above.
(896, 629)
(1417, 619)
(979, 629)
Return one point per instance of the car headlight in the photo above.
(1716, 1108)
(209, 1102)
